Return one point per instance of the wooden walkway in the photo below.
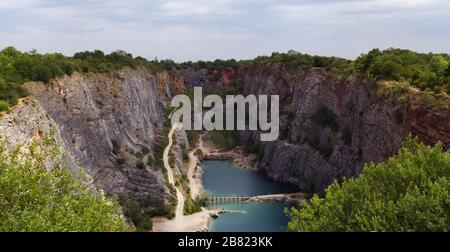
(225, 199)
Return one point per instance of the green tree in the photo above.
(38, 198)
(438, 64)
(409, 192)
(419, 69)
(132, 209)
(192, 206)
(4, 105)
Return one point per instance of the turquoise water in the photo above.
(223, 178)
(255, 217)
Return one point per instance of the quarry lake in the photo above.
(223, 178)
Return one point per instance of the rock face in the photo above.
(94, 112)
(179, 149)
(27, 121)
(331, 127)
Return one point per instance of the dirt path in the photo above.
(180, 198)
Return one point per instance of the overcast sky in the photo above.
(209, 29)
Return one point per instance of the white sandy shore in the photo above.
(198, 222)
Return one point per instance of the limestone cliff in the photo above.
(331, 126)
(107, 122)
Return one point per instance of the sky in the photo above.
(209, 29)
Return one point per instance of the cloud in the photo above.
(203, 8)
(16, 4)
(206, 29)
(365, 8)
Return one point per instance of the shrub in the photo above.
(139, 155)
(4, 106)
(192, 137)
(419, 69)
(132, 210)
(225, 139)
(116, 146)
(198, 153)
(409, 192)
(34, 198)
(140, 165)
(251, 148)
(145, 150)
(172, 161)
(163, 209)
(120, 161)
(193, 206)
(185, 155)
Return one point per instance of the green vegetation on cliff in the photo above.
(424, 71)
(409, 192)
(428, 72)
(293, 60)
(224, 139)
(18, 67)
(38, 198)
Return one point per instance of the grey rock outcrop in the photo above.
(26, 122)
(179, 149)
(92, 112)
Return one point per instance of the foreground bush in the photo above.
(192, 206)
(410, 192)
(36, 198)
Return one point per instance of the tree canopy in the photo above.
(426, 71)
(38, 198)
(409, 192)
(294, 60)
(18, 67)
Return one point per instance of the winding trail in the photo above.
(180, 199)
(182, 223)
